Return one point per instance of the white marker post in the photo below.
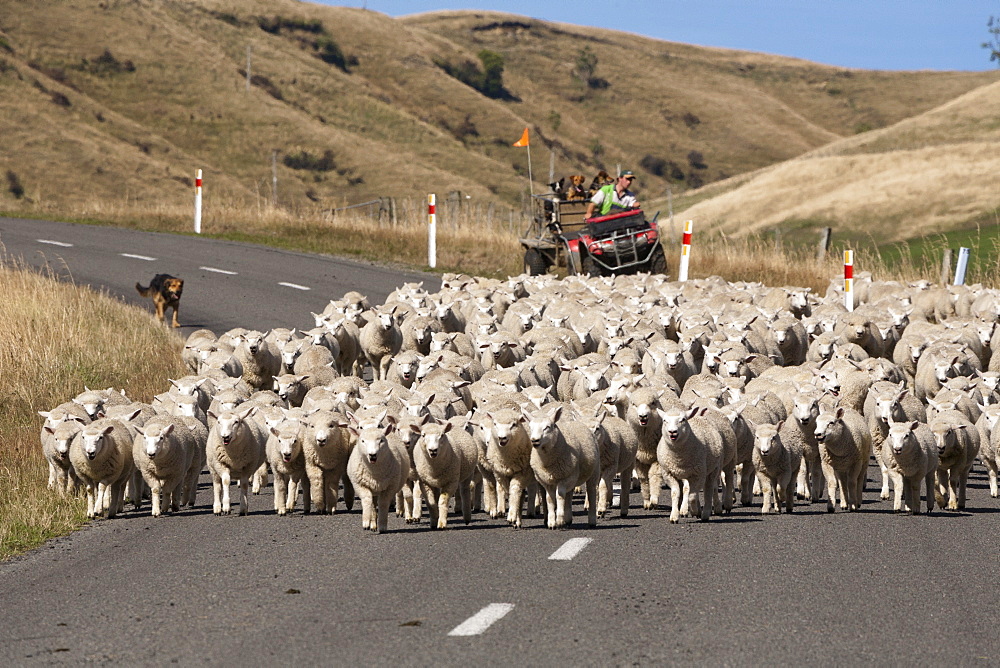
(431, 231)
(849, 279)
(682, 270)
(963, 264)
(197, 203)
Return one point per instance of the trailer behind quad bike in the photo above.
(561, 236)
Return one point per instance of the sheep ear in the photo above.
(914, 425)
(169, 428)
(274, 430)
(447, 427)
(45, 414)
(778, 426)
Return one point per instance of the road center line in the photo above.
(138, 257)
(54, 243)
(482, 620)
(570, 549)
(219, 271)
(293, 285)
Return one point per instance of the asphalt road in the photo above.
(843, 589)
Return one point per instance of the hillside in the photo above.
(117, 101)
(928, 174)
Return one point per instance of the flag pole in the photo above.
(526, 143)
(531, 190)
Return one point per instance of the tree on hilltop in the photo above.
(993, 44)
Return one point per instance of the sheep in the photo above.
(312, 356)
(326, 448)
(690, 455)
(101, 454)
(291, 389)
(378, 468)
(260, 359)
(56, 442)
(286, 456)
(195, 342)
(643, 416)
(445, 459)
(844, 447)
(403, 368)
(564, 455)
(886, 403)
(777, 465)
(508, 456)
(95, 401)
(380, 339)
(166, 452)
(618, 445)
(957, 441)
(235, 449)
(910, 457)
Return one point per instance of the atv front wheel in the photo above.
(534, 262)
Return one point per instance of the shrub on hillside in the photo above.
(14, 184)
(488, 81)
(106, 65)
(307, 161)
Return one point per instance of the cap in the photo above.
(628, 173)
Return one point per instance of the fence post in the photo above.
(197, 203)
(682, 271)
(946, 266)
(849, 279)
(824, 243)
(963, 264)
(431, 231)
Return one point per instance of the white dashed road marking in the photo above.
(54, 243)
(570, 549)
(293, 285)
(138, 257)
(482, 620)
(219, 271)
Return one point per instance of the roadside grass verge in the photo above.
(56, 338)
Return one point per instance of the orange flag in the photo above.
(523, 141)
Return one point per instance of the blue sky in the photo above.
(870, 34)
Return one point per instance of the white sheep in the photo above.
(690, 455)
(101, 455)
(564, 455)
(56, 442)
(260, 359)
(380, 339)
(378, 468)
(886, 403)
(508, 457)
(326, 448)
(957, 441)
(166, 453)
(777, 463)
(286, 457)
(845, 445)
(618, 445)
(911, 457)
(445, 459)
(235, 450)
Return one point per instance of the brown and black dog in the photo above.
(165, 291)
(602, 179)
(575, 189)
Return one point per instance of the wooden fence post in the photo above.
(824, 243)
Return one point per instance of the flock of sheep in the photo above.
(507, 396)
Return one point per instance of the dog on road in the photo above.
(165, 291)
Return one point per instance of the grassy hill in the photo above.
(925, 175)
(121, 101)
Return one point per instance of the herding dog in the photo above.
(576, 189)
(165, 291)
(602, 179)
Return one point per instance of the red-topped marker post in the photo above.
(849, 279)
(197, 203)
(682, 270)
(431, 230)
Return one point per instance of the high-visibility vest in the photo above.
(609, 200)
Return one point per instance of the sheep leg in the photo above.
(963, 481)
(550, 504)
(515, 502)
(884, 493)
(642, 472)
(260, 478)
(280, 493)
(675, 499)
(765, 485)
(690, 503)
(91, 500)
(562, 491)
(349, 494)
(216, 493)
(329, 490)
(603, 488)
(155, 490)
(655, 483)
(746, 484)
(831, 486)
(502, 501)
(592, 497)
(317, 478)
(226, 480)
(384, 501)
(114, 496)
(465, 497)
(787, 492)
(803, 484)
(404, 502)
(710, 493)
(442, 508)
(913, 494)
(991, 470)
(929, 480)
(626, 491)
(244, 483)
(941, 488)
(367, 504)
(431, 498)
(53, 476)
(898, 488)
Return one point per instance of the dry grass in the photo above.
(928, 174)
(55, 338)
